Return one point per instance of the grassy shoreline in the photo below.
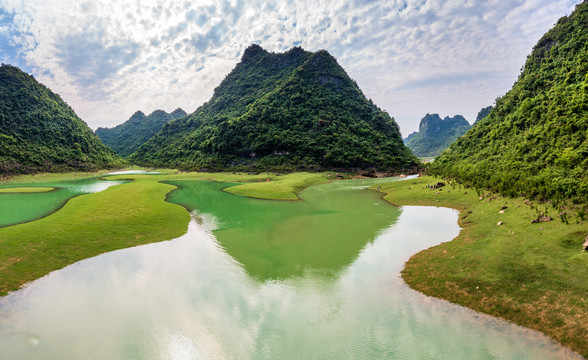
(26, 190)
(121, 216)
(532, 274)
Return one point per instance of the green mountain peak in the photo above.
(178, 113)
(125, 138)
(282, 111)
(435, 134)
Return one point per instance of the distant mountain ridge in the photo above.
(285, 111)
(128, 136)
(483, 113)
(40, 132)
(178, 113)
(435, 134)
(535, 140)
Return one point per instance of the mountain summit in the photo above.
(435, 134)
(40, 132)
(128, 136)
(285, 111)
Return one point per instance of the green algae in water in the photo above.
(18, 208)
(280, 239)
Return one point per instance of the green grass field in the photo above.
(121, 216)
(533, 274)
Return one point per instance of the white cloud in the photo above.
(110, 58)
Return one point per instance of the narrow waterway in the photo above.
(17, 208)
(259, 279)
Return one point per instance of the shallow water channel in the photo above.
(260, 279)
(16, 208)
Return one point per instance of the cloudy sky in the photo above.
(108, 58)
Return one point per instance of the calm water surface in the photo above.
(18, 208)
(256, 279)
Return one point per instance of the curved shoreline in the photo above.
(453, 271)
(52, 211)
(134, 214)
(27, 190)
(493, 269)
(431, 306)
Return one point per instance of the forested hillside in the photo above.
(534, 141)
(288, 111)
(128, 136)
(40, 132)
(435, 134)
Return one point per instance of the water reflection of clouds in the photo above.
(93, 187)
(187, 298)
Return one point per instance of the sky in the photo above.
(108, 58)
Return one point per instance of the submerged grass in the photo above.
(121, 216)
(27, 189)
(533, 274)
(284, 187)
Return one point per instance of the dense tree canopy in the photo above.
(535, 140)
(295, 110)
(40, 132)
(128, 136)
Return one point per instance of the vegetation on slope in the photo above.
(40, 132)
(296, 110)
(533, 274)
(535, 140)
(128, 136)
(435, 134)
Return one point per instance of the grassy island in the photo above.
(121, 216)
